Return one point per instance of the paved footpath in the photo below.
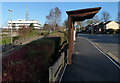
(89, 64)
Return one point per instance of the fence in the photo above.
(56, 69)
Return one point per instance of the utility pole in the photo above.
(27, 18)
(11, 24)
(91, 28)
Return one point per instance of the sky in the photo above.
(39, 10)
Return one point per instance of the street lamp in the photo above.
(11, 25)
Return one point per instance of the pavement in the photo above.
(90, 65)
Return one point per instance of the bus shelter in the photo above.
(74, 16)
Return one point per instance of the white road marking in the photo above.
(103, 53)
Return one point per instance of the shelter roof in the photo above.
(81, 15)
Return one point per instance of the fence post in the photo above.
(50, 75)
(67, 56)
(63, 55)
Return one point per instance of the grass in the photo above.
(5, 40)
(33, 33)
(56, 34)
(62, 34)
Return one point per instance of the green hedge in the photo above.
(54, 42)
(31, 61)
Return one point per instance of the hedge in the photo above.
(31, 62)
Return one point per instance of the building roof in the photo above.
(24, 21)
(107, 22)
(118, 22)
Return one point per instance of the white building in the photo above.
(112, 25)
(4, 27)
(21, 22)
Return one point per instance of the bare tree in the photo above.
(23, 32)
(80, 24)
(118, 12)
(65, 24)
(118, 17)
(54, 17)
(94, 20)
(105, 16)
(89, 21)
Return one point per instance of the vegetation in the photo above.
(118, 31)
(25, 31)
(105, 16)
(47, 27)
(5, 40)
(62, 34)
(54, 18)
(92, 21)
(65, 24)
(110, 31)
(31, 62)
(118, 18)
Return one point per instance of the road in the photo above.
(107, 43)
(89, 64)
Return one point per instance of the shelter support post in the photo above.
(70, 39)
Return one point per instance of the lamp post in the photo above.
(11, 25)
(91, 28)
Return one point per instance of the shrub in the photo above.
(13, 66)
(118, 31)
(110, 31)
(15, 38)
(57, 42)
(65, 38)
(30, 63)
(45, 34)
